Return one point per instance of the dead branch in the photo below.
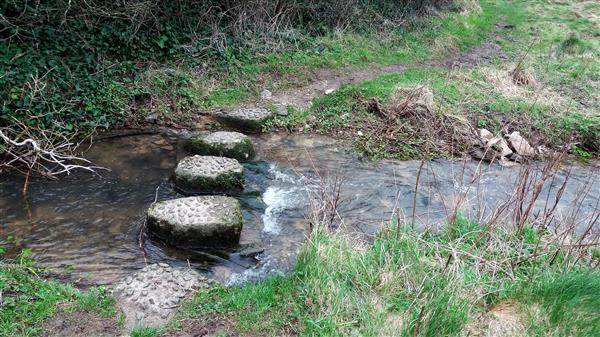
(46, 153)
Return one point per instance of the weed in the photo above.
(144, 332)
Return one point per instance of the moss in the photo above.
(242, 151)
(224, 183)
(247, 125)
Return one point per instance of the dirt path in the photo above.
(326, 81)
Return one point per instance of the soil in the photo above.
(204, 327)
(77, 324)
(212, 326)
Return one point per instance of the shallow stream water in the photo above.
(90, 225)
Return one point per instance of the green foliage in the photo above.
(79, 66)
(264, 307)
(574, 45)
(142, 331)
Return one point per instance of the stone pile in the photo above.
(512, 147)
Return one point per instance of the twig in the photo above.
(414, 210)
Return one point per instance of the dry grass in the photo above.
(520, 83)
(582, 9)
(503, 320)
(410, 120)
(445, 44)
(467, 7)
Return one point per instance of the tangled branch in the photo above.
(46, 153)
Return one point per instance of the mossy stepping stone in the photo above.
(202, 221)
(222, 143)
(209, 174)
(247, 119)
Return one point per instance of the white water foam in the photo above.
(280, 198)
(267, 267)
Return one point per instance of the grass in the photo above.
(568, 302)
(27, 300)
(415, 284)
(561, 104)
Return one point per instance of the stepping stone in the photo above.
(222, 143)
(207, 174)
(152, 295)
(249, 119)
(204, 221)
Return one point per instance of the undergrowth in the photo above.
(91, 65)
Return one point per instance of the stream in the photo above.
(89, 225)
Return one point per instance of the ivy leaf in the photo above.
(161, 41)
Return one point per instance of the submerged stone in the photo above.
(204, 221)
(152, 295)
(222, 143)
(204, 174)
(249, 119)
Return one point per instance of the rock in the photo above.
(266, 94)
(203, 221)
(250, 250)
(520, 145)
(499, 145)
(249, 119)
(223, 144)
(489, 147)
(152, 118)
(480, 153)
(485, 134)
(153, 294)
(204, 174)
(282, 110)
(329, 91)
